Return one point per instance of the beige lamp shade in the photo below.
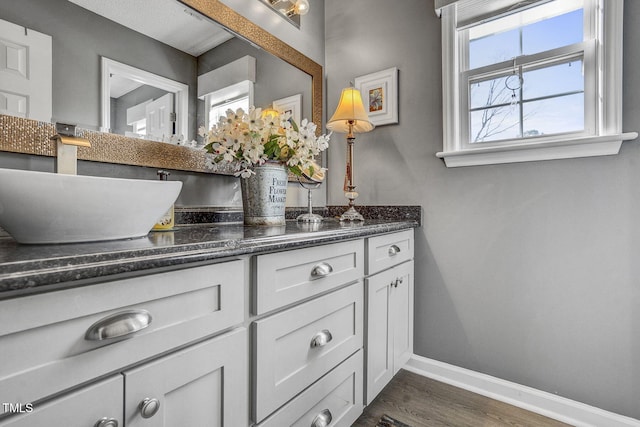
(266, 112)
(350, 108)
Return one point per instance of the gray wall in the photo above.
(527, 272)
(275, 78)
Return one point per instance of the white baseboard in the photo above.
(543, 403)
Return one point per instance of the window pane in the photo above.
(551, 33)
(494, 48)
(492, 92)
(493, 124)
(554, 80)
(548, 26)
(554, 115)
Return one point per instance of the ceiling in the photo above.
(167, 21)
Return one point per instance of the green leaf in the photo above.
(270, 148)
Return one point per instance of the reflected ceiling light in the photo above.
(290, 8)
(301, 7)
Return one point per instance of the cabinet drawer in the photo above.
(337, 395)
(286, 277)
(286, 359)
(81, 408)
(44, 349)
(388, 250)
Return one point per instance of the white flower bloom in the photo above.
(245, 140)
(245, 173)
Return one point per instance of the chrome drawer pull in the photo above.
(323, 419)
(106, 422)
(149, 407)
(321, 270)
(118, 325)
(394, 250)
(321, 338)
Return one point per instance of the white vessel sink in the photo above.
(42, 207)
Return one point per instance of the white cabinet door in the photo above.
(85, 407)
(402, 315)
(25, 72)
(202, 385)
(379, 340)
(389, 343)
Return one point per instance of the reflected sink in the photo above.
(42, 207)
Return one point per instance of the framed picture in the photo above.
(380, 95)
(291, 104)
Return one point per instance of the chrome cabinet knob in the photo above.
(149, 407)
(398, 281)
(321, 270)
(106, 422)
(321, 338)
(323, 419)
(394, 250)
(118, 325)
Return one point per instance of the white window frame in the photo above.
(603, 94)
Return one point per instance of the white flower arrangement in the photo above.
(250, 139)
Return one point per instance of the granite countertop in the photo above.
(28, 269)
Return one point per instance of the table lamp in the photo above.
(350, 117)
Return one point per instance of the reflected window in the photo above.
(140, 127)
(238, 95)
(216, 111)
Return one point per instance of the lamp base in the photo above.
(351, 215)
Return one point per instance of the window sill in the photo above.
(535, 151)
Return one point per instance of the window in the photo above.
(531, 80)
(140, 127)
(220, 110)
(238, 95)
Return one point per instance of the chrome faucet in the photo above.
(67, 148)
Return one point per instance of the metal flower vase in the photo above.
(264, 195)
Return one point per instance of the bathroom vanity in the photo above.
(206, 325)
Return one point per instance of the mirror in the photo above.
(132, 103)
(76, 98)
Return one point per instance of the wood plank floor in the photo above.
(423, 402)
